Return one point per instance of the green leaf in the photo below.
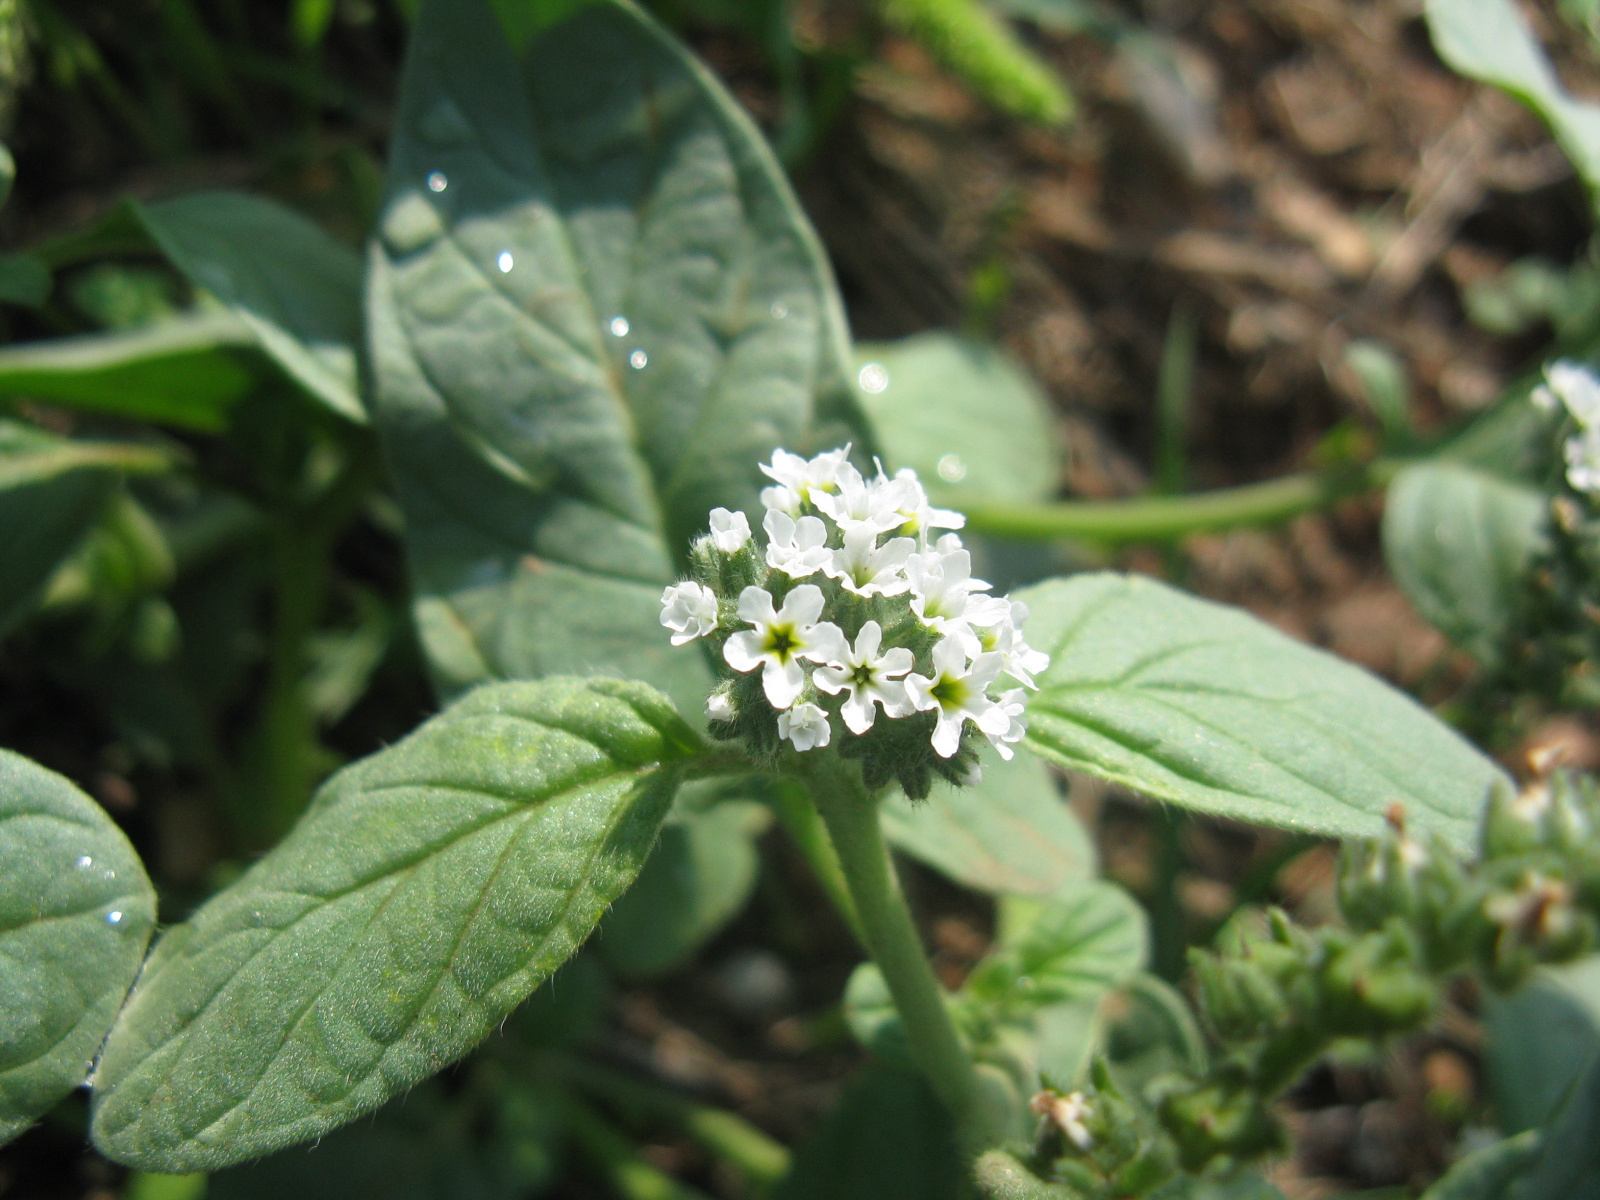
(187, 371)
(1489, 1173)
(295, 288)
(1010, 834)
(425, 893)
(697, 879)
(1488, 40)
(1206, 707)
(1240, 1184)
(887, 1138)
(76, 913)
(1459, 542)
(603, 203)
(965, 416)
(1075, 947)
(52, 491)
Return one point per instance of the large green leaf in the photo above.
(1489, 1173)
(963, 414)
(76, 913)
(1206, 707)
(1009, 834)
(594, 306)
(296, 289)
(1489, 41)
(425, 893)
(187, 371)
(1460, 541)
(52, 491)
(697, 879)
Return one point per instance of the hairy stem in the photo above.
(851, 816)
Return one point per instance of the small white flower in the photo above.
(689, 610)
(997, 627)
(869, 676)
(729, 530)
(866, 568)
(781, 499)
(941, 582)
(956, 691)
(1006, 722)
(1068, 1113)
(805, 725)
(781, 638)
(917, 515)
(719, 705)
(803, 479)
(797, 548)
(857, 504)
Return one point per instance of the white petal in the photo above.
(782, 684)
(755, 606)
(947, 734)
(858, 712)
(830, 679)
(825, 643)
(802, 606)
(919, 691)
(896, 660)
(742, 651)
(867, 642)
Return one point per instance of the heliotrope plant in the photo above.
(857, 624)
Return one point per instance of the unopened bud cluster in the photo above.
(1273, 996)
(851, 621)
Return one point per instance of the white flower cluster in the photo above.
(853, 605)
(1569, 385)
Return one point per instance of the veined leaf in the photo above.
(1206, 707)
(1460, 542)
(425, 893)
(52, 490)
(1012, 833)
(594, 306)
(296, 289)
(76, 912)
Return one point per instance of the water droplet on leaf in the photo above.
(951, 469)
(85, 861)
(114, 917)
(505, 262)
(619, 326)
(780, 310)
(437, 181)
(874, 378)
(638, 359)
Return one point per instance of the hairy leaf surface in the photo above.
(593, 307)
(1206, 707)
(1459, 542)
(426, 892)
(76, 912)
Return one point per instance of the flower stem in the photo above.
(851, 815)
(1163, 518)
